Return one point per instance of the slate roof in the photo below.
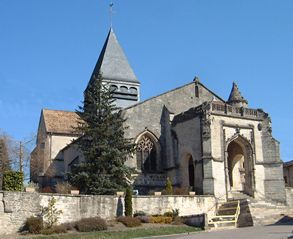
(235, 95)
(59, 121)
(112, 62)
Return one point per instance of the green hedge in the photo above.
(12, 181)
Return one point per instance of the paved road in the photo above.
(264, 232)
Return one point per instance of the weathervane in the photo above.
(111, 12)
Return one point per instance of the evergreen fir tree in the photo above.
(103, 145)
(4, 160)
(128, 202)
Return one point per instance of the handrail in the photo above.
(215, 205)
(234, 217)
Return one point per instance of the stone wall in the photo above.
(15, 207)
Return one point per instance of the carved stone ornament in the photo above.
(145, 144)
(206, 132)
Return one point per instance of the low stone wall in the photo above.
(15, 207)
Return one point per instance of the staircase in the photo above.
(242, 210)
(227, 215)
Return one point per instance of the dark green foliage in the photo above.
(34, 225)
(169, 188)
(139, 214)
(102, 143)
(129, 221)
(128, 202)
(69, 226)
(12, 181)
(4, 160)
(91, 224)
(168, 214)
(174, 213)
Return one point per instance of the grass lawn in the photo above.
(133, 233)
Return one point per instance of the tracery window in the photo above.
(146, 155)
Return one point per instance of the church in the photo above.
(202, 142)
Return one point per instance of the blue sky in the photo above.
(48, 50)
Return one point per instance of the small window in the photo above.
(124, 89)
(42, 145)
(133, 90)
(196, 91)
(113, 88)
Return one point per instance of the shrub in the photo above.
(143, 219)
(63, 187)
(51, 213)
(128, 202)
(91, 224)
(12, 181)
(69, 226)
(34, 225)
(47, 231)
(177, 221)
(59, 229)
(139, 214)
(129, 221)
(181, 191)
(169, 188)
(175, 212)
(47, 189)
(55, 229)
(168, 214)
(161, 219)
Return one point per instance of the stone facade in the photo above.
(200, 141)
(16, 207)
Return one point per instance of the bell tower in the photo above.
(117, 72)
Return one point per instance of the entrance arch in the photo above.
(239, 161)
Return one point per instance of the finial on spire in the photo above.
(196, 79)
(111, 13)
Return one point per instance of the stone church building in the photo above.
(190, 134)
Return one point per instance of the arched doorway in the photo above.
(240, 166)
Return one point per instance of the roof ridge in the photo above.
(177, 88)
(68, 111)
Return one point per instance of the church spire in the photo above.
(235, 98)
(117, 72)
(112, 62)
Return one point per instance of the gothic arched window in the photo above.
(146, 155)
